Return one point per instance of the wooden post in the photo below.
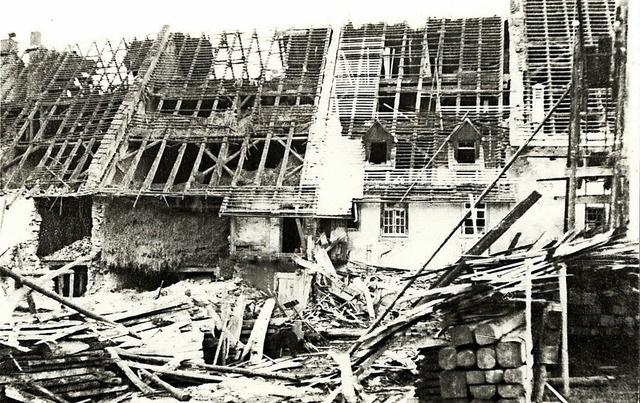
(528, 387)
(565, 329)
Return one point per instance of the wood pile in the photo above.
(153, 346)
(489, 288)
(486, 363)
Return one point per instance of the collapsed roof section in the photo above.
(544, 33)
(226, 115)
(56, 108)
(420, 84)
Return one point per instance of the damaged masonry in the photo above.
(436, 213)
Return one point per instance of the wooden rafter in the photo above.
(87, 152)
(285, 157)
(174, 170)
(134, 163)
(196, 167)
(243, 156)
(154, 166)
(222, 161)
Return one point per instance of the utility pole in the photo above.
(578, 106)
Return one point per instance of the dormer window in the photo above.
(465, 146)
(379, 145)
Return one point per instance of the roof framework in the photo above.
(420, 83)
(56, 109)
(550, 37)
(226, 115)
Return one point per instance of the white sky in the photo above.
(65, 22)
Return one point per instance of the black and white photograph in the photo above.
(342, 201)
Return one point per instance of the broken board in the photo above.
(255, 344)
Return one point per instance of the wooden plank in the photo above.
(243, 156)
(143, 387)
(134, 163)
(285, 157)
(196, 167)
(154, 167)
(562, 280)
(78, 169)
(174, 169)
(255, 344)
(220, 163)
(263, 159)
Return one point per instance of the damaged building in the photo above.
(323, 167)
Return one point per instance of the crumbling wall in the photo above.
(152, 236)
(64, 221)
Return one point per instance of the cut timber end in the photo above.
(491, 332)
(447, 358)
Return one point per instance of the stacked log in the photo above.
(485, 362)
(428, 383)
(603, 313)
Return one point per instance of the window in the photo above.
(466, 152)
(394, 219)
(476, 223)
(595, 218)
(378, 153)
(73, 284)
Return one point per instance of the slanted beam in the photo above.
(263, 158)
(243, 156)
(221, 163)
(196, 166)
(134, 163)
(154, 167)
(78, 169)
(174, 170)
(285, 157)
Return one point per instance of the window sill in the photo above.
(394, 237)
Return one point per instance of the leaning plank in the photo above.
(235, 323)
(489, 333)
(346, 376)
(127, 371)
(255, 344)
(175, 392)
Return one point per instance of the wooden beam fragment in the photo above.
(175, 392)
(143, 387)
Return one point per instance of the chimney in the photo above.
(36, 39)
(8, 46)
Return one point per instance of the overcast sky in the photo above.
(64, 22)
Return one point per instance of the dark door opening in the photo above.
(290, 238)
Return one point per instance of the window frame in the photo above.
(390, 213)
(468, 224)
(469, 146)
(588, 224)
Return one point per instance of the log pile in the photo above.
(603, 304)
(485, 363)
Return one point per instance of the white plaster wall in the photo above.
(429, 224)
(547, 215)
(255, 234)
(19, 224)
